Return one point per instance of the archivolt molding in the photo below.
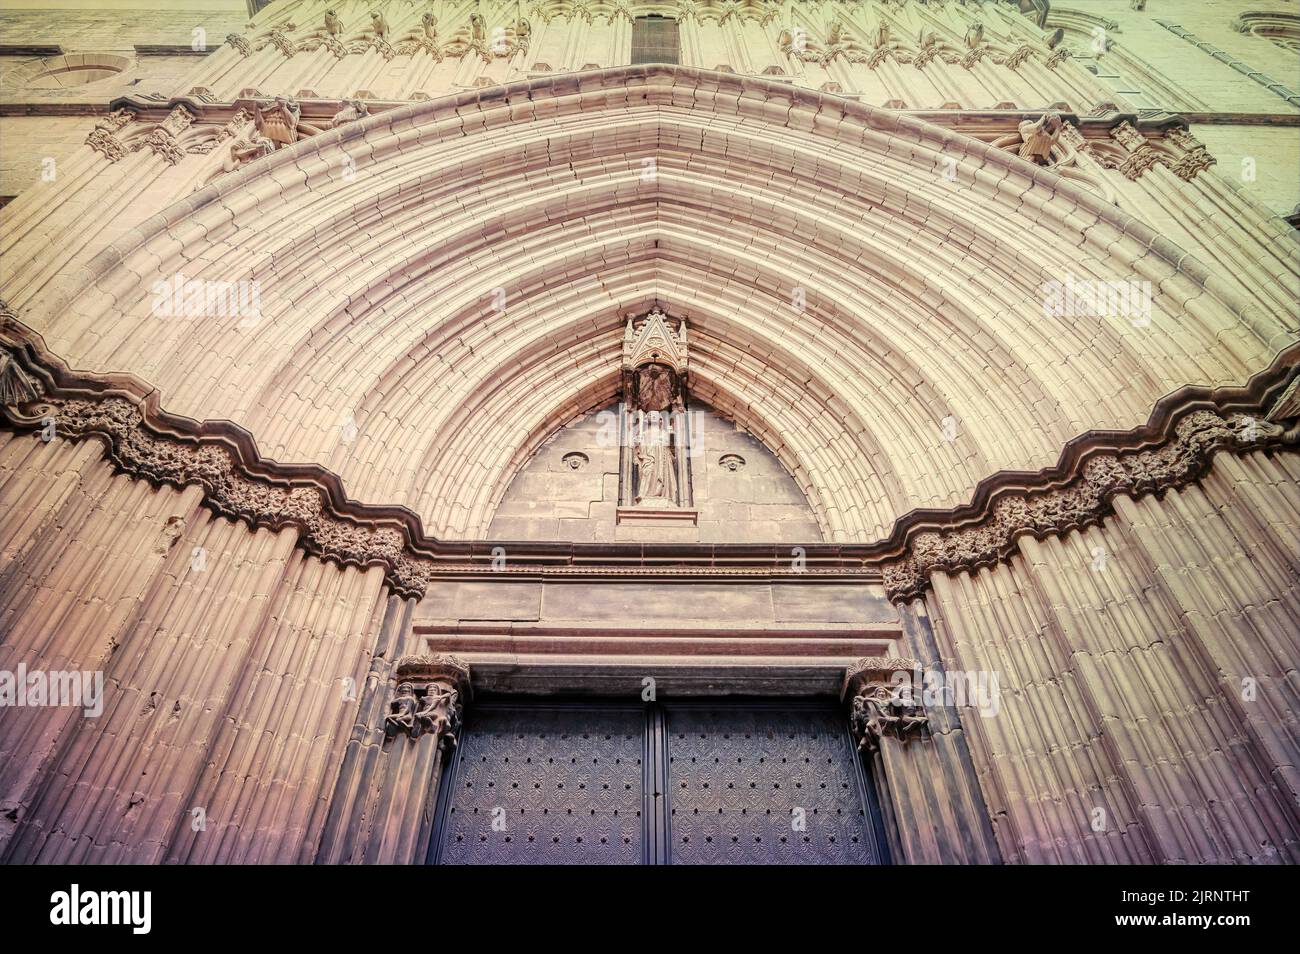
(924, 291)
(1174, 448)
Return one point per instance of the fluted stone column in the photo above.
(385, 801)
(929, 795)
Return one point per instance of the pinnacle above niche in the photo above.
(651, 339)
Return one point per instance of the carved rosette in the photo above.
(881, 706)
(1082, 502)
(429, 699)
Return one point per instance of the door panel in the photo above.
(564, 785)
(694, 783)
(771, 785)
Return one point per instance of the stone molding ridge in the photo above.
(1175, 447)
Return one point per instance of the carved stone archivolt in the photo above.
(429, 698)
(38, 393)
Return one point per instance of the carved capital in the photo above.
(106, 144)
(429, 699)
(240, 44)
(882, 711)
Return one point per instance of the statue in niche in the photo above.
(654, 468)
(656, 472)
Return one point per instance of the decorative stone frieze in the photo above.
(1083, 501)
(1172, 450)
(103, 138)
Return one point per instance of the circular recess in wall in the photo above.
(72, 69)
(574, 460)
(731, 462)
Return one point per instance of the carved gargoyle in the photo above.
(352, 109)
(1039, 138)
(281, 122)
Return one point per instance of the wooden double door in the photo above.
(711, 782)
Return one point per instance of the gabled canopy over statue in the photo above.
(655, 472)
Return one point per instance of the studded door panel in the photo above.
(541, 785)
(764, 786)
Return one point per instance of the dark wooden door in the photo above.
(690, 783)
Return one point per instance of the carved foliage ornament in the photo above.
(238, 484)
(1084, 501)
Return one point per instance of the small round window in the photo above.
(74, 69)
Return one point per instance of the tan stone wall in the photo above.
(224, 674)
(757, 503)
(94, 29)
(1147, 673)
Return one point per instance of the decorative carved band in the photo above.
(1175, 447)
(1085, 499)
(431, 694)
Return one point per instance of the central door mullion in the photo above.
(656, 787)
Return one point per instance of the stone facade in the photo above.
(321, 346)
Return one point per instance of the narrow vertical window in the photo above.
(654, 40)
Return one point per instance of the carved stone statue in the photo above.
(402, 711)
(885, 710)
(655, 389)
(352, 109)
(246, 149)
(333, 25)
(1039, 138)
(438, 713)
(279, 121)
(377, 23)
(656, 475)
